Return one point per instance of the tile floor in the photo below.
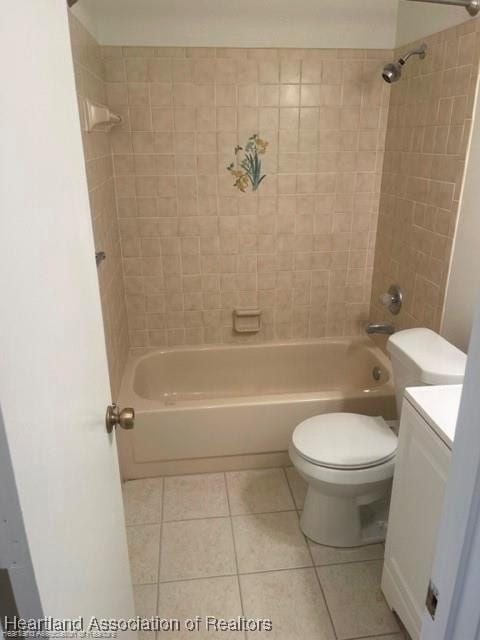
(229, 545)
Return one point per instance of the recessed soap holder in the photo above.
(247, 320)
(99, 116)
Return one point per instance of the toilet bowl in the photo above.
(348, 459)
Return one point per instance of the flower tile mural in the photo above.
(247, 167)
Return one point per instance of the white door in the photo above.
(53, 373)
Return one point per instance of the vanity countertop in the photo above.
(439, 407)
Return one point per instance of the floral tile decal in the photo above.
(247, 171)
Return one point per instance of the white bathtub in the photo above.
(232, 407)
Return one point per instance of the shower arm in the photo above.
(421, 52)
(472, 6)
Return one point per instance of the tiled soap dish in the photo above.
(247, 320)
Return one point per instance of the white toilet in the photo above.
(348, 459)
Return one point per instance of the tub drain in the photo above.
(376, 373)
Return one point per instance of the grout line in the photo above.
(157, 596)
(313, 561)
(223, 517)
(128, 525)
(227, 494)
(230, 575)
(234, 550)
(206, 473)
(195, 578)
(160, 548)
(297, 508)
(381, 635)
(342, 564)
(231, 515)
(144, 584)
(323, 594)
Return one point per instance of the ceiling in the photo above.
(380, 24)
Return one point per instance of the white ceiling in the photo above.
(242, 23)
(380, 24)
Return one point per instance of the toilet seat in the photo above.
(344, 441)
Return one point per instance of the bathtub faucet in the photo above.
(378, 327)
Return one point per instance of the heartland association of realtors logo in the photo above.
(50, 627)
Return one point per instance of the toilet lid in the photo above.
(345, 441)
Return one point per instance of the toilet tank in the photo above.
(422, 357)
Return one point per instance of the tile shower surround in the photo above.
(193, 247)
(428, 129)
(301, 248)
(89, 77)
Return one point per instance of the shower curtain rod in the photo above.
(472, 6)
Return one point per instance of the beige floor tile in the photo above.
(197, 549)
(196, 496)
(258, 491)
(145, 598)
(292, 600)
(143, 549)
(355, 601)
(297, 485)
(142, 501)
(269, 541)
(332, 555)
(217, 597)
(395, 636)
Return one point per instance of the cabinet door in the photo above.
(417, 497)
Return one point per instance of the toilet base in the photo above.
(341, 521)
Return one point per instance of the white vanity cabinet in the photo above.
(421, 470)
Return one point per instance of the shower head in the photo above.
(392, 72)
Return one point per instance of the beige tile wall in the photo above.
(89, 74)
(428, 128)
(301, 248)
(194, 248)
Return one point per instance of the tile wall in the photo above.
(302, 247)
(194, 247)
(90, 83)
(428, 128)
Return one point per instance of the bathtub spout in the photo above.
(377, 327)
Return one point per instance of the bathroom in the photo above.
(248, 229)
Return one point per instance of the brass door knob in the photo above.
(116, 418)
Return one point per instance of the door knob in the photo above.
(116, 418)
